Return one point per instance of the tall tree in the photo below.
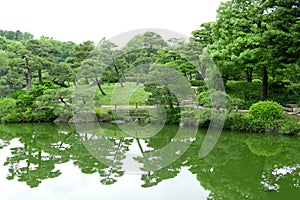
(44, 54)
(246, 37)
(79, 53)
(112, 59)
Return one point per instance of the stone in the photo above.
(63, 118)
(290, 105)
(105, 118)
(83, 117)
(41, 108)
(118, 121)
(296, 111)
(288, 109)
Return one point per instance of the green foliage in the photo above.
(16, 35)
(101, 111)
(204, 118)
(18, 94)
(7, 105)
(25, 102)
(201, 86)
(248, 92)
(264, 146)
(13, 118)
(293, 92)
(139, 95)
(42, 116)
(237, 122)
(234, 103)
(189, 117)
(283, 91)
(289, 126)
(266, 111)
(243, 40)
(26, 105)
(250, 37)
(173, 116)
(197, 82)
(204, 99)
(244, 123)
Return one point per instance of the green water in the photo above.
(48, 161)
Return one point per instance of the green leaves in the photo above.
(266, 111)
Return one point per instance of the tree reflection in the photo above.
(34, 160)
(239, 167)
(153, 159)
(42, 146)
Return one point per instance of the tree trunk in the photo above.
(118, 74)
(62, 100)
(170, 102)
(86, 81)
(198, 76)
(40, 76)
(203, 70)
(62, 84)
(28, 74)
(264, 91)
(28, 79)
(99, 86)
(249, 74)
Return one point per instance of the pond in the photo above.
(50, 161)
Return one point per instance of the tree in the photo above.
(204, 35)
(35, 160)
(18, 65)
(92, 68)
(61, 73)
(112, 60)
(80, 53)
(43, 54)
(10, 79)
(16, 35)
(139, 53)
(247, 37)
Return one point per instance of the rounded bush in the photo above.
(266, 111)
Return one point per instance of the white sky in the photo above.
(80, 20)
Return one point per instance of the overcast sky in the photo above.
(80, 20)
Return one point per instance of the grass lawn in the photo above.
(127, 95)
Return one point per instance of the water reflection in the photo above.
(239, 167)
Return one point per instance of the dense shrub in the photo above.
(284, 92)
(237, 122)
(292, 93)
(202, 117)
(197, 83)
(234, 103)
(100, 112)
(289, 126)
(17, 94)
(7, 105)
(248, 92)
(103, 114)
(219, 99)
(266, 111)
(204, 99)
(277, 89)
(173, 116)
(42, 116)
(12, 118)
